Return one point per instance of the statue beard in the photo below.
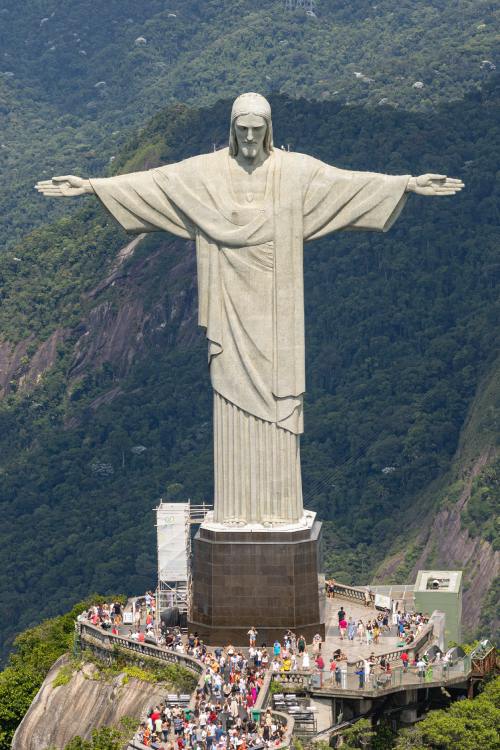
(249, 150)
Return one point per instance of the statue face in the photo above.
(250, 131)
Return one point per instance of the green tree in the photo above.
(466, 725)
(358, 736)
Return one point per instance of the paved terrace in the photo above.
(354, 650)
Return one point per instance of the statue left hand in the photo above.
(434, 184)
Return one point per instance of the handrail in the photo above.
(323, 681)
(107, 641)
(412, 649)
(351, 592)
(88, 631)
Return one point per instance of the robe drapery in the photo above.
(250, 290)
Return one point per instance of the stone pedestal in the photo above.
(268, 578)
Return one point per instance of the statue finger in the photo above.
(436, 176)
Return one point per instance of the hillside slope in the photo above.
(106, 400)
(89, 72)
(456, 524)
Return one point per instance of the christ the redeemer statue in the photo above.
(250, 207)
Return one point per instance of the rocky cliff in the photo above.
(60, 713)
(441, 534)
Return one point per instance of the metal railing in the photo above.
(352, 592)
(377, 681)
(412, 649)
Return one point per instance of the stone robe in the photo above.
(250, 288)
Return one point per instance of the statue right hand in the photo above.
(66, 185)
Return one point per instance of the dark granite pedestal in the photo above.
(269, 579)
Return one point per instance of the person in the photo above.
(301, 644)
(351, 629)
(277, 649)
(405, 659)
(320, 664)
(338, 676)
(342, 628)
(252, 636)
(305, 660)
(421, 667)
(361, 674)
(360, 630)
(316, 644)
(341, 613)
(333, 666)
(286, 664)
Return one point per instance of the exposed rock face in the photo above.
(450, 546)
(16, 366)
(119, 333)
(58, 714)
(445, 543)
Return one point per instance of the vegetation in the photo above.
(106, 738)
(88, 74)
(147, 669)
(481, 516)
(35, 651)
(466, 725)
(400, 330)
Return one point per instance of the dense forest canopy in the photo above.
(75, 77)
(400, 330)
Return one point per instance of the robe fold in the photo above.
(250, 286)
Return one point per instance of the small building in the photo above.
(441, 590)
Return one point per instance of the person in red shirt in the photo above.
(155, 714)
(405, 660)
(140, 637)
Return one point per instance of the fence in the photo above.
(106, 642)
(376, 682)
(362, 596)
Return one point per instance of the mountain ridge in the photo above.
(400, 331)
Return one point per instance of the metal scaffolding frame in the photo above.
(174, 580)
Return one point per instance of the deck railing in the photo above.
(96, 637)
(376, 682)
(105, 643)
(353, 593)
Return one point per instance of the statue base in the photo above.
(263, 577)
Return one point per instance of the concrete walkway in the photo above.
(354, 650)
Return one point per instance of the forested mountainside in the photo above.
(74, 77)
(106, 400)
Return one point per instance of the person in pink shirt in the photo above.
(342, 628)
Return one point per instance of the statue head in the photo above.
(251, 126)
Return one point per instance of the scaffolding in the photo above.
(174, 524)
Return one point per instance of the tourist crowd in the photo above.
(223, 715)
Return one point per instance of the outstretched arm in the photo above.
(434, 184)
(65, 186)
